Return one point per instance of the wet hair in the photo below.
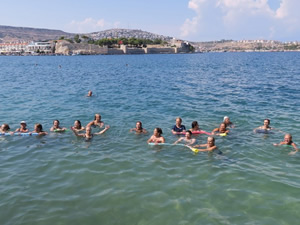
(96, 115)
(141, 124)
(159, 130)
(78, 121)
(194, 124)
(268, 120)
(57, 121)
(6, 126)
(190, 132)
(39, 126)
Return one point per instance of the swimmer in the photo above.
(187, 139)
(178, 127)
(288, 140)
(77, 126)
(139, 128)
(38, 128)
(220, 130)
(5, 129)
(266, 127)
(196, 128)
(90, 93)
(227, 122)
(56, 127)
(23, 128)
(210, 145)
(88, 132)
(156, 137)
(96, 122)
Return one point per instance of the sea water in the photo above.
(117, 178)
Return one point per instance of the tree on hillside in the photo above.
(77, 39)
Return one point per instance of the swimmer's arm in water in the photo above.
(197, 146)
(179, 140)
(161, 140)
(193, 140)
(145, 131)
(76, 134)
(103, 131)
(296, 149)
(132, 129)
(215, 130)
(150, 140)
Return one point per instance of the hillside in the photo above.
(127, 33)
(9, 34)
(13, 34)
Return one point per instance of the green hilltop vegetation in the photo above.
(115, 42)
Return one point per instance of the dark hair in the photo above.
(190, 132)
(57, 121)
(97, 114)
(79, 123)
(6, 126)
(39, 126)
(194, 124)
(268, 120)
(141, 124)
(159, 130)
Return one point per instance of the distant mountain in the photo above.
(127, 33)
(8, 33)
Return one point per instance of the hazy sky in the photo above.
(194, 20)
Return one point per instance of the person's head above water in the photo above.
(77, 124)
(139, 125)
(195, 125)
(222, 127)
(178, 121)
(267, 122)
(5, 127)
(90, 93)
(38, 127)
(157, 132)
(288, 138)
(56, 123)
(226, 120)
(188, 134)
(210, 141)
(97, 117)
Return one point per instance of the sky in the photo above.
(192, 20)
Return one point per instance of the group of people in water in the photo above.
(156, 138)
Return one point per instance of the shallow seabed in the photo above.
(117, 178)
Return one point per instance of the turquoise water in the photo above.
(117, 178)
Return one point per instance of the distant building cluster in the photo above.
(127, 33)
(26, 48)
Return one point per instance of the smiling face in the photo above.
(210, 141)
(138, 125)
(222, 127)
(77, 124)
(287, 138)
(98, 117)
(188, 135)
(88, 131)
(56, 123)
(266, 123)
